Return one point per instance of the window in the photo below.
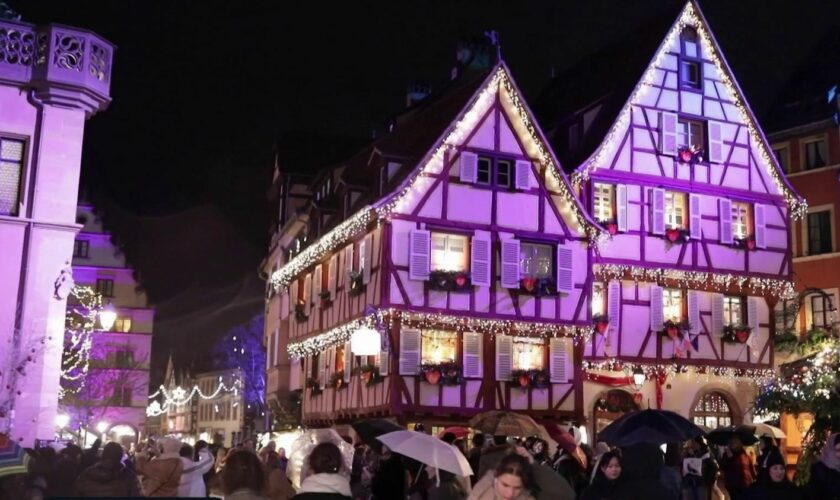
(689, 46)
(11, 172)
(339, 359)
(741, 225)
(819, 233)
(122, 325)
(783, 158)
(672, 305)
(785, 315)
(313, 367)
(503, 173)
(675, 210)
(449, 252)
(733, 310)
(484, 168)
(495, 172)
(528, 354)
(124, 358)
(536, 261)
(690, 74)
(712, 411)
(599, 294)
(690, 65)
(815, 154)
(122, 396)
(690, 134)
(438, 346)
(820, 309)
(105, 287)
(81, 249)
(602, 202)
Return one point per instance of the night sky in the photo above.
(180, 162)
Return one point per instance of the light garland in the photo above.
(653, 370)
(695, 279)
(179, 396)
(80, 323)
(608, 147)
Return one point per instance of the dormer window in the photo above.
(691, 74)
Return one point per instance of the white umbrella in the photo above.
(428, 450)
(298, 468)
(769, 430)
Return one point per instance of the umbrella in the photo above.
(565, 440)
(13, 458)
(649, 426)
(428, 450)
(460, 432)
(506, 423)
(722, 435)
(767, 430)
(298, 467)
(369, 430)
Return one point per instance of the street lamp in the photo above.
(365, 341)
(61, 421)
(639, 378)
(102, 426)
(107, 316)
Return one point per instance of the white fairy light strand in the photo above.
(652, 370)
(80, 323)
(179, 396)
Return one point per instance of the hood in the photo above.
(326, 483)
(104, 472)
(828, 457)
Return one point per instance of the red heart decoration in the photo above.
(460, 280)
(612, 228)
(742, 335)
(433, 377)
(524, 380)
(673, 235)
(686, 155)
(601, 326)
(751, 244)
(529, 283)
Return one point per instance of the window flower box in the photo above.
(675, 330)
(676, 235)
(356, 285)
(441, 373)
(736, 334)
(538, 287)
(300, 313)
(449, 281)
(326, 298)
(337, 380)
(690, 154)
(369, 374)
(746, 243)
(531, 379)
(314, 386)
(601, 322)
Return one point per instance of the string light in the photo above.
(653, 370)
(80, 323)
(798, 208)
(179, 396)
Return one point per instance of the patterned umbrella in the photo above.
(13, 458)
(506, 423)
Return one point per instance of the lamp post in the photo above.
(108, 316)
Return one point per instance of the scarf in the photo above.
(326, 483)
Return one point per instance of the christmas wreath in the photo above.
(538, 287)
(314, 385)
(675, 329)
(300, 312)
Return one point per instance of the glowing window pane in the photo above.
(438, 346)
(449, 252)
(603, 202)
(732, 313)
(740, 219)
(672, 304)
(528, 354)
(675, 210)
(536, 261)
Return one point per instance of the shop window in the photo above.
(712, 411)
(449, 252)
(536, 260)
(438, 346)
(528, 354)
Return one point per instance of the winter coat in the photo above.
(738, 472)
(768, 490)
(474, 459)
(107, 479)
(161, 475)
(642, 469)
(325, 487)
(491, 457)
(279, 487)
(484, 489)
(63, 475)
(389, 481)
(192, 475)
(825, 475)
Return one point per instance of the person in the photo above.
(279, 486)
(766, 446)
(243, 477)
(283, 462)
(248, 444)
(513, 479)
(108, 477)
(642, 474)
(324, 481)
(699, 471)
(202, 446)
(390, 479)
(606, 483)
(270, 447)
(492, 455)
(162, 472)
(64, 472)
(599, 450)
(738, 469)
(474, 457)
(90, 455)
(824, 483)
(776, 485)
(221, 456)
(192, 473)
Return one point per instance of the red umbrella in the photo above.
(567, 442)
(460, 432)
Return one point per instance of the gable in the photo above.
(635, 141)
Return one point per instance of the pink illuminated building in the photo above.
(52, 79)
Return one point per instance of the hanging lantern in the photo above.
(365, 341)
(108, 316)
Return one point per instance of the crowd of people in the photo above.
(504, 469)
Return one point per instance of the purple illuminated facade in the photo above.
(52, 78)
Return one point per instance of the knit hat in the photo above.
(775, 458)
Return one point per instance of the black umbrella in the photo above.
(722, 435)
(369, 430)
(649, 426)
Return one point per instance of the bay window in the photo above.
(528, 353)
(438, 346)
(449, 252)
(675, 210)
(672, 304)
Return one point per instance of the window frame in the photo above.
(448, 235)
(783, 164)
(700, 410)
(687, 35)
(536, 341)
(667, 214)
(552, 272)
(108, 290)
(427, 335)
(824, 239)
(687, 134)
(81, 249)
(728, 302)
(824, 312)
(597, 194)
(22, 173)
(667, 296)
(492, 171)
(749, 222)
(805, 166)
(599, 288)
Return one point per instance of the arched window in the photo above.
(712, 411)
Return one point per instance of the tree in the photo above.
(242, 348)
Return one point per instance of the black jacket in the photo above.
(824, 483)
(768, 490)
(107, 479)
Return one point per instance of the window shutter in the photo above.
(656, 318)
(717, 314)
(409, 352)
(504, 357)
(564, 270)
(715, 142)
(510, 263)
(332, 277)
(668, 133)
(330, 364)
(469, 166)
(307, 289)
(317, 280)
(480, 258)
(557, 354)
(760, 226)
(472, 355)
(419, 255)
(523, 177)
(271, 346)
(657, 211)
(348, 260)
(614, 304)
(366, 251)
(725, 215)
(695, 223)
(293, 296)
(693, 311)
(621, 207)
(384, 362)
(752, 314)
(348, 362)
(322, 369)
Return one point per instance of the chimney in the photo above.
(478, 53)
(416, 92)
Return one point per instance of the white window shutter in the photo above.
(614, 304)
(725, 215)
(760, 226)
(657, 211)
(717, 315)
(472, 355)
(409, 351)
(348, 260)
(695, 222)
(752, 313)
(715, 142)
(322, 369)
(317, 280)
(480, 254)
(367, 252)
(348, 362)
(558, 355)
(564, 270)
(668, 133)
(419, 255)
(656, 316)
(510, 263)
(332, 277)
(384, 362)
(293, 296)
(469, 166)
(694, 311)
(307, 289)
(504, 357)
(330, 363)
(523, 174)
(621, 207)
